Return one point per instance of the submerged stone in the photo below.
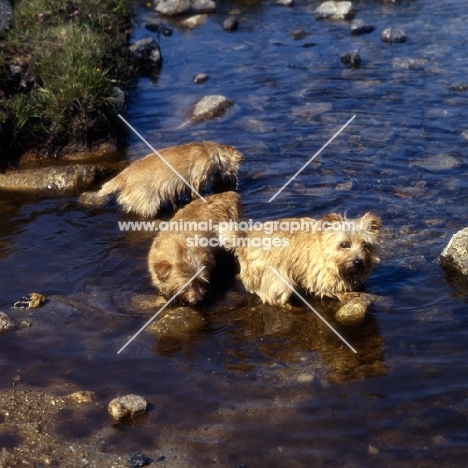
(390, 35)
(210, 107)
(128, 406)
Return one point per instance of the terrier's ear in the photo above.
(372, 222)
(162, 269)
(332, 217)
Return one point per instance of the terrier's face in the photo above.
(353, 249)
(175, 273)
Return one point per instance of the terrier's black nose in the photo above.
(357, 262)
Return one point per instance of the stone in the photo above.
(335, 10)
(359, 26)
(128, 406)
(230, 24)
(406, 63)
(53, 179)
(201, 78)
(455, 255)
(351, 58)
(82, 396)
(299, 34)
(287, 3)
(6, 323)
(146, 51)
(390, 35)
(158, 27)
(305, 378)
(354, 308)
(439, 162)
(137, 460)
(210, 107)
(30, 301)
(183, 7)
(194, 21)
(178, 323)
(6, 15)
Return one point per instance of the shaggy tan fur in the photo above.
(149, 183)
(322, 263)
(172, 261)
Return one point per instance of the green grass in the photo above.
(74, 54)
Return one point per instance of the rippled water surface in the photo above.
(262, 387)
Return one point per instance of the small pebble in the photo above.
(82, 396)
(137, 460)
(201, 78)
(127, 406)
(231, 24)
(359, 26)
(351, 59)
(30, 301)
(299, 34)
(305, 378)
(393, 36)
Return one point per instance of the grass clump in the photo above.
(59, 68)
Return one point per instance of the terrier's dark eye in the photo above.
(345, 245)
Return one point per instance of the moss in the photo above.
(59, 67)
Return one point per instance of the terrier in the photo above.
(149, 183)
(176, 256)
(326, 257)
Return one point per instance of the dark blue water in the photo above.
(259, 386)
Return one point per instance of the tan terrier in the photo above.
(149, 183)
(176, 255)
(326, 257)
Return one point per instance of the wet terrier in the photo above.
(326, 257)
(149, 183)
(177, 255)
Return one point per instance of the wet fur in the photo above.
(148, 184)
(172, 263)
(321, 263)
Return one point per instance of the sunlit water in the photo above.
(262, 387)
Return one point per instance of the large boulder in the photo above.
(454, 257)
(183, 7)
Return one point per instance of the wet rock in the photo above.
(439, 162)
(158, 27)
(183, 7)
(210, 107)
(201, 78)
(128, 406)
(299, 34)
(54, 179)
(458, 87)
(178, 323)
(194, 21)
(454, 257)
(335, 10)
(465, 134)
(287, 3)
(230, 24)
(351, 58)
(6, 323)
(354, 308)
(359, 26)
(137, 460)
(406, 63)
(82, 396)
(390, 35)
(30, 301)
(146, 52)
(6, 15)
(305, 378)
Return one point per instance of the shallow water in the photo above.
(261, 387)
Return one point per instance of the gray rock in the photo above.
(201, 78)
(455, 256)
(390, 35)
(6, 15)
(210, 107)
(128, 406)
(146, 51)
(183, 7)
(287, 3)
(406, 63)
(359, 26)
(194, 21)
(6, 323)
(335, 10)
(178, 323)
(230, 24)
(299, 34)
(351, 58)
(52, 179)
